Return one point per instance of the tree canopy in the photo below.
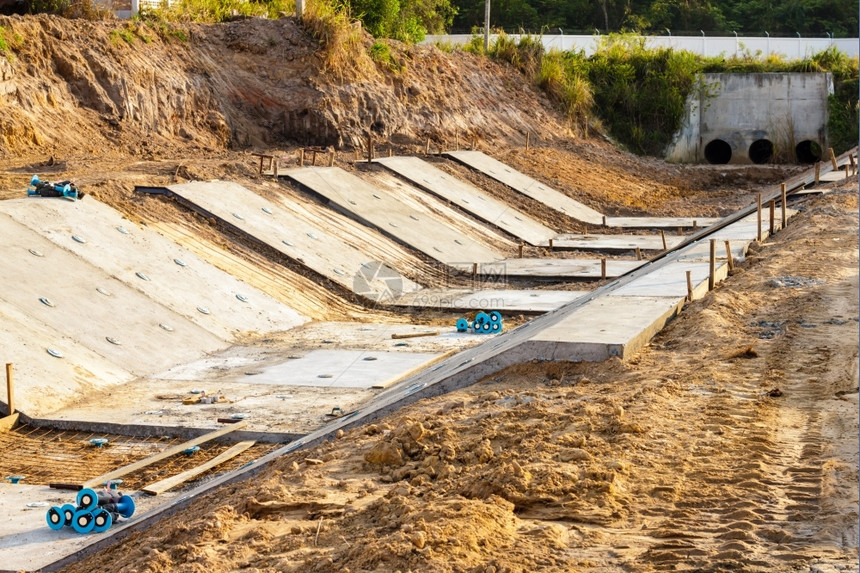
(746, 17)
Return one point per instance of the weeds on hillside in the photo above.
(216, 10)
(342, 40)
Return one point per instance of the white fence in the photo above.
(791, 48)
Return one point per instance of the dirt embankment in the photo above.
(102, 88)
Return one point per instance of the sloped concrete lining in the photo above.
(503, 300)
(149, 263)
(660, 222)
(296, 237)
(467, 225)
(414, 224)
(528, 186)
(43, 382)
(550, 268)
(598, 242)
(59, 289)
(469, 198)
(613, 326)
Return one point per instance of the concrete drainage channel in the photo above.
(689, 270)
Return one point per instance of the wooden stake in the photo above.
(474, 272)
(521, 250)
(772, 215)
(604, 220)
(689, 287)
(301, 157)
(695, 224)
(663, 238)
(758, 218)
(784, 217)
(729, 255)
(817, 172)
(528, 139)
(331, 158)
(313, 157)
(457, 146)
(427, 149)
(475, 142)
(356, 154)
(603, 269)
(712, 265)
(833, 160)
(638, 254)
(369, 147)
(851, 162)
(10, 391)
(275, 167)
(550, 245)
(390, 152)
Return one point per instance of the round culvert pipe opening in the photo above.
(761, 151)
(808, 151)
(718, 152)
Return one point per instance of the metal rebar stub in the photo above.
(142, 276)
(46, 301)
(267, 210)
(166, 327)
(78, 239)
(54, 353)
(113, 340)
(35, 253)
(242, 298)
(238, 216)
(203, 310)
(287, 243)
(122, 230)
(179, 262)
(100, 290)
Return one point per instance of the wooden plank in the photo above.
(172, 451)
(171, 482)
(8, 422)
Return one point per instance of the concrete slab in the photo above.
(605, 327)
(551, 268)
(835, 176)
(615, 242)
(25, 344)
(520, 301)
(527, 186)
(671, 280)
(414, 224)
(660, 222)
(57, 295)
(344, 369)
(280, 227)
(154, 265)
(469, 198)
(468, 227)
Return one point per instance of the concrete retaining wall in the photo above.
(755, 118)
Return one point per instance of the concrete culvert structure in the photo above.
(718, 152)
(761, 151)
(807, 151)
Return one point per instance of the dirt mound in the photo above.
(107, 87)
